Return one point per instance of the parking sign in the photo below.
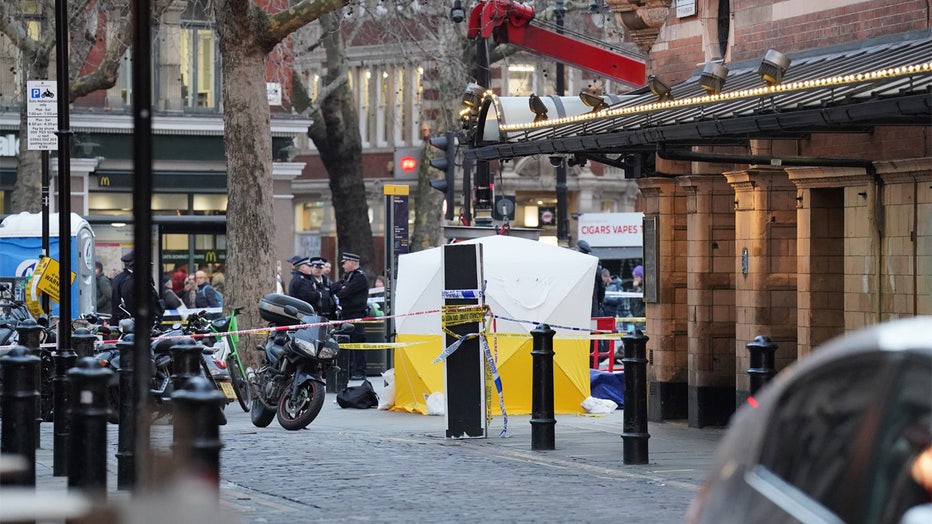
(41, 115)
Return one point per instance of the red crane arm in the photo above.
(510, 22)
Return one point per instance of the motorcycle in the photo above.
(290, 382)
(161, 386)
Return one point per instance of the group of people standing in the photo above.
(344, 299)
(197, 291)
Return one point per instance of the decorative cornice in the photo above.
(642, 18)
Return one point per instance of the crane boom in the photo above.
(509, 22)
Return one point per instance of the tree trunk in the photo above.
(336, 134)
(27, 193)
(248, 146)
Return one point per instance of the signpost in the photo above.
(41, 124)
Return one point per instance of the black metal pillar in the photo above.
(196, 442)
(762, 362)
(18, 425)
(46, 180)
(64, 172)
(542, 415)
(635, 422)
(483, 206)
(61, 420)
(87, 458)
(126, 439)
(562, 218)
(142, 225)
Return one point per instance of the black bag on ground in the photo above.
(359, 397)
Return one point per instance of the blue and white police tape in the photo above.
(493, 369)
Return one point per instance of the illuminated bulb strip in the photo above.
(924, 67)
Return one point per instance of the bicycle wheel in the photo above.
(240, 386)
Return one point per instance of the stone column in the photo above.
(710, 298)
(283, 212)
(665, 203)
(81, 168)
(765, 245)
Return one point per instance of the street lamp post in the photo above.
(562, 220)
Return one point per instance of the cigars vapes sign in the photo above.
(611, 229)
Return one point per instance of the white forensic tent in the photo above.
(527, 282)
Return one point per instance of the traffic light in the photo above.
(446, 163)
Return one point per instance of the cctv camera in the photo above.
(457, 14)
(556, 161)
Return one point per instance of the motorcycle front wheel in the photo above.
(261, 416)
(296, 412)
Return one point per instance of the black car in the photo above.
(834, 438)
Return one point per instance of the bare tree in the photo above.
(30, 27)
(247, 35)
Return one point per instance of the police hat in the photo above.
(128, 258)
(583, 247)
(349, 256)
(300, 262)
(317, 261)
(294, 260)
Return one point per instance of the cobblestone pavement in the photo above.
(381, 466)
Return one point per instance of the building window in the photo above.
(365, 105)
(521, 79)
(200, 88)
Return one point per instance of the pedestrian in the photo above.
(327, 269)
(179, 276)
(301, 286)
(352, 292)
(611, 306)
(325, 303)
(205, 296)
(217, 279)
(189, 292)
(123, 296)
(104, 291)
(636, 305)
(598, 290)
(170, 299)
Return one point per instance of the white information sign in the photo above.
(685, 8)
(611, 229)
(41, 115)
(274, 92)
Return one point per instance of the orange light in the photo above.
(409, 164)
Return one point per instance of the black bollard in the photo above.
(186, 364)
(18, 432)
(61, 405)
(82, 341)
(542, 417)
(197, 430)
(29, 332)
(126, 441)
(635, 422)
(87, 457)
(762, 365)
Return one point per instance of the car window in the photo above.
(812, 438)
(904, 431)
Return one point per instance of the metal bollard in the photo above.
(635, 433)
(126, 440)
(82, 341)
(762, 364)
(186, 362)
(18, 432)
(197, 429)
(29, 332)
(61, 405)
(542, 416)
(87, 465)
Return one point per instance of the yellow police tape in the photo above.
(458, 315)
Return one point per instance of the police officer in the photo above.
(352, 292)
(324, 302)
(301, 286)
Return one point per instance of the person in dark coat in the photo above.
(123, 301)
(301, 287)
(598, 289)
(352, 292)
(104, 290)
(324, 301)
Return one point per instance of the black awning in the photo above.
(844, 90)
